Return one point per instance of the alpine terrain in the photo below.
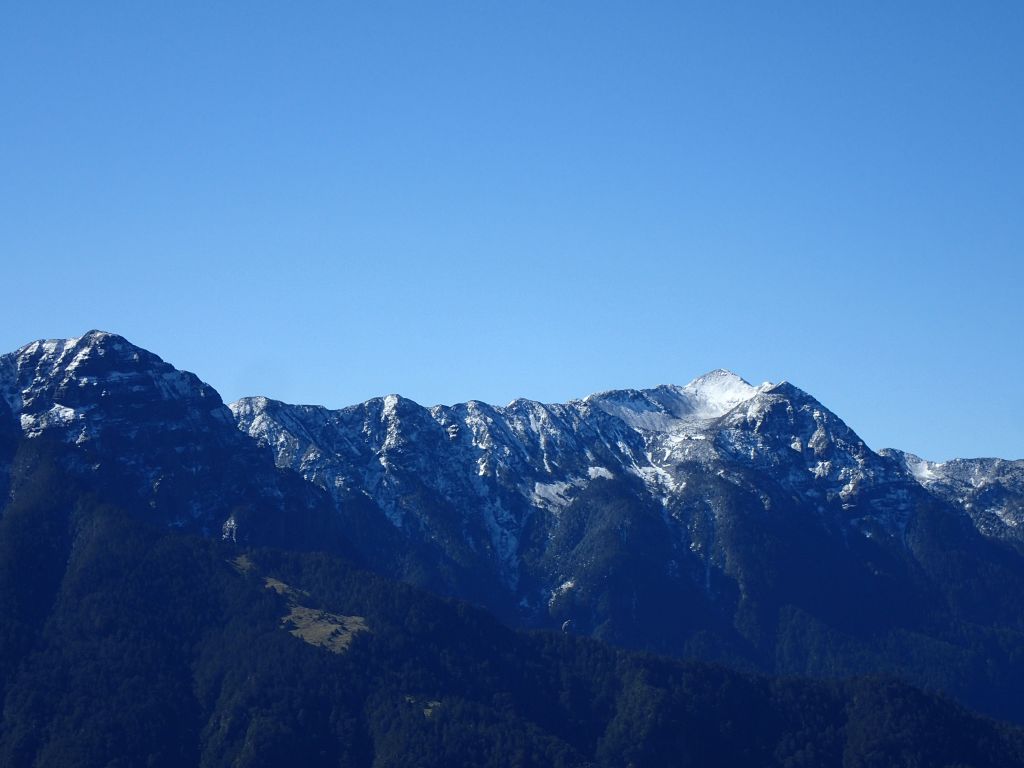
(188, 582)
(718, 520)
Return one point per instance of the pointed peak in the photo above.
(790, 390)
(719, 376)
(393, 404)
(720, 390)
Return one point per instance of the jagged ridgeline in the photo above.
(160, 594)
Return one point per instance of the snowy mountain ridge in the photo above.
(526, 455)
(500, 474)
(647, 433)
(717, 519)
(990, 490)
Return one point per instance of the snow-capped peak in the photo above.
(668, 407)
(718, 392)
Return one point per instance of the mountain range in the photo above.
(717, 521)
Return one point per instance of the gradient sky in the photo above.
(324, 202)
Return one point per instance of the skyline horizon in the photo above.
(490, 201)
(229, 400)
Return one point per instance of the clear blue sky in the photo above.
(323, 202)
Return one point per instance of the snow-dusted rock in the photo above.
(155, 436)
(513, 480)
(991, 491)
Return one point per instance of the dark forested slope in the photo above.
(124, 643)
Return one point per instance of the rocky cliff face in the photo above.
(990, 491)
(160, 437)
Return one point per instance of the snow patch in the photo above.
(33, 424)
(1007, 517)
(922, 471)
(821, 469)
(561, 589)
(551, 495)
(718, 392)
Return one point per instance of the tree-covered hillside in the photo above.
(124, 644)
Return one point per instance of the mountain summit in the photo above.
(667, 407)
(153, 435)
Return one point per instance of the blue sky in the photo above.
(324, 202)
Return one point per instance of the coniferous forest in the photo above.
(125, 644)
